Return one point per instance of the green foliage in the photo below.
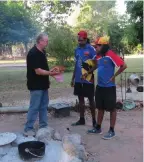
(55, 10)
(21, 20)
(138, 49)
(61, 43)
(16, 24)
(99, 18)
(135, 9)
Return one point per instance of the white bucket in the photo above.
(134, 79)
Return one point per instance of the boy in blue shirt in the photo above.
(84, 86)
(105, 95)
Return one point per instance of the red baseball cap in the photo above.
(82, 34)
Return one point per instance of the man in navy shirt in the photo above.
(84, 86)
(105, 95)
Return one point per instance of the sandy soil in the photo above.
(21, 97)
(125, 147)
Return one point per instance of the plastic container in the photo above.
(59, 77)
(128, 105)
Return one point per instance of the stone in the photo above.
(45, 134)
(4, 149)
(54, 150)
(76, 160)
(57, 136)
(74, 138)
(55, 153)
(12, 156)
(72, 145)
(20, 139)
(70, 148)
(81, 153)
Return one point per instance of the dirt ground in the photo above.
(21, 97)
(125, 147)
(13, 89)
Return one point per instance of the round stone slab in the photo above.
(6, 138)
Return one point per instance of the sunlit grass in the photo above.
(15, 78)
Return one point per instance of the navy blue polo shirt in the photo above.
(82, 54)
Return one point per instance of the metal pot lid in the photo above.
(7, 138)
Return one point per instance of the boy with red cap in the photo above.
(105, 95)
(84, 86)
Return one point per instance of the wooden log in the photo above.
(13, 109)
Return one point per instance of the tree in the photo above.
(135, 9)
(99, 18)
(61, 43)
(98, 22)
(17, 24)
(51, 11)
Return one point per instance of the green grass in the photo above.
(134, 64)
(65, 84)
(15, 79)
(12, 79)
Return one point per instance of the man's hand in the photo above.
(40, 71)
(58, 69)
(120, 70)
(112, 79)
(55, 69)
(53, 73)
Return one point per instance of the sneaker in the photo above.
(80, 122)
(94, 131)
(94, 124)
(29, 133)
(109, 135)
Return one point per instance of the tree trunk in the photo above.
(1, 50)
(26, 48)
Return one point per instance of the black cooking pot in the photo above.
(140, 88)
(31, 149)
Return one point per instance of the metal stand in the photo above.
(121, 77)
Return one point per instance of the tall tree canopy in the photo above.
(16, 23)
(135, 9)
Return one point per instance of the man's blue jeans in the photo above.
(38, 105)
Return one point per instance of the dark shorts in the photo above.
(105, 98)
(84, 89)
